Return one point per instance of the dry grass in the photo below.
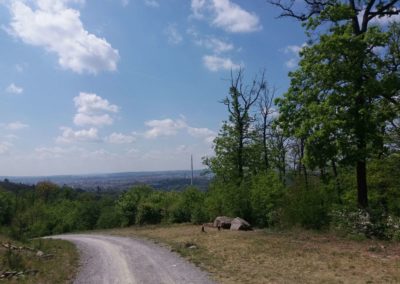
(59, 267)
(270, 257)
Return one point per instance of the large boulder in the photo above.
(222, 222)
(240, 224)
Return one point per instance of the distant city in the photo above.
(163, 180)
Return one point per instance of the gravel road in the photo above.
(109, 259)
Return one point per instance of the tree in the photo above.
(232, 145)
(265, 113)
(346, 89)
(128, 203)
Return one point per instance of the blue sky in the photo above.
(117, 85)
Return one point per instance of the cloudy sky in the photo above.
(93, 86)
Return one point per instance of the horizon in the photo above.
(126, 86)
(103, 173)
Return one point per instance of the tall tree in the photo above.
(232, 145)
(266, 112)
(345, 91)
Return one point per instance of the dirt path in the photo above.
(109, 259)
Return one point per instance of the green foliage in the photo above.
(189, 207)
(228, 199)
(353, 222)
(267, 194)
(13, 260)
(109, 218)
(6, 208)
(46, 191)
(385, 184)
(148, 213)
(306, 207)
(128, 203)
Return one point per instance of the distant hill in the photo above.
(165, 180)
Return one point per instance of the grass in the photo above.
(278, 257)
(58, 266)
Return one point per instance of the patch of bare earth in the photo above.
(270, 257)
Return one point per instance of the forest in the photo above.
(325, 155)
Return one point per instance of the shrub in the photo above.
(266, 199)
(147, 213)
(109, 218)
(307, 207)
(359, 222)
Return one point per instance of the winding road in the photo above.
(110, 259)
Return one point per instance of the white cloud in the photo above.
(82, 119)
(70, 136)
(16, 125)
(217, 45)
(226, 15)
(58, 28)
(55, 152)
(170, 127)
(152, 3)
(165, 127)
(206, 134)
(198, 7)
(292, 63)
(294, 52)
(294, 49)
(381, 21)
(386, 20)
(20, 67)
(173, 35)
(215, 63)
(14, 89)
(200, 132)
(5, 147)
(119, 138)
(212, 43)
(93, 110)
(125, 3)
(11, 137)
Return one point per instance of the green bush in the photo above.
(307, 207)
(147, 213)
(109, 218)
(128, 203)
(189, 207)
(266, 195)
(6, 208)
(353, 222)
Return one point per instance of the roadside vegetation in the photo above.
(37, 261)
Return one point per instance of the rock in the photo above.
(222, 222)
(189, 245)
(240, 224)
(39, 253)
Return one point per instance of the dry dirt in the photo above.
(272, 257)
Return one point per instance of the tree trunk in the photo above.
(362, 191)
(337, 182)
(266, 161)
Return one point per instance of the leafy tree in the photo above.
(128, 203)
(233, 144)
(346, 90)
(46, 190)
